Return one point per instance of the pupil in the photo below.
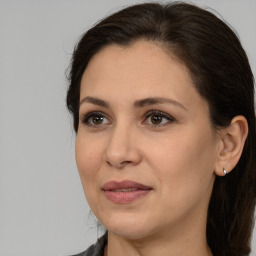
(97, 119)
(156, 119)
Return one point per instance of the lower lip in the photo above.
(125, 197)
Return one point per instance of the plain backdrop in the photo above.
(43, 211)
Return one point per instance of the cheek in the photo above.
(182, 151)
(184, 166)
(88, 160)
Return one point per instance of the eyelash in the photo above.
(161, 114)
(86, 119)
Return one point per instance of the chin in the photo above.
(128, 226)
(130, 233)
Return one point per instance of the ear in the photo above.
(232, 139)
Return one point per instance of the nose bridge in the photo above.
(122, 148)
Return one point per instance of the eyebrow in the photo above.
(95, 101)
(155, 101)
(137, 104)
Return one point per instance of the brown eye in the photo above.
(156, 119)
(97, 120)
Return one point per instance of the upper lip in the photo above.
(125, 184)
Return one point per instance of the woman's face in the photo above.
(145, 148)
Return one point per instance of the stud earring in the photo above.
(225, 172)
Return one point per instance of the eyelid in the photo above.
(85, 117)
(159, 113)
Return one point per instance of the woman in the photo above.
(163, 103)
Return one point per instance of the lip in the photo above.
(112, 191)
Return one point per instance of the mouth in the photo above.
(125, 191)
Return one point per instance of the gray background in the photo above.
(42, 206)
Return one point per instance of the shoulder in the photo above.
(89, 252)
(96, 249)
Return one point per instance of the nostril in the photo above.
(125, 162)
(108, 163)
(119, 165)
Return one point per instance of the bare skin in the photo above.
(142, 120)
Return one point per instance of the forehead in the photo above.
(142, 69)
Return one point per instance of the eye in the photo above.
(95, 119)
(158, 118)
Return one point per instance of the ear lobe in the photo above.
(232, 143)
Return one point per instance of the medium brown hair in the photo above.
(222, 75)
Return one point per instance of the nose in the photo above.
(122, 148)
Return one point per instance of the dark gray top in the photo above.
(96, 249)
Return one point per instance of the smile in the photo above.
(124, 192)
